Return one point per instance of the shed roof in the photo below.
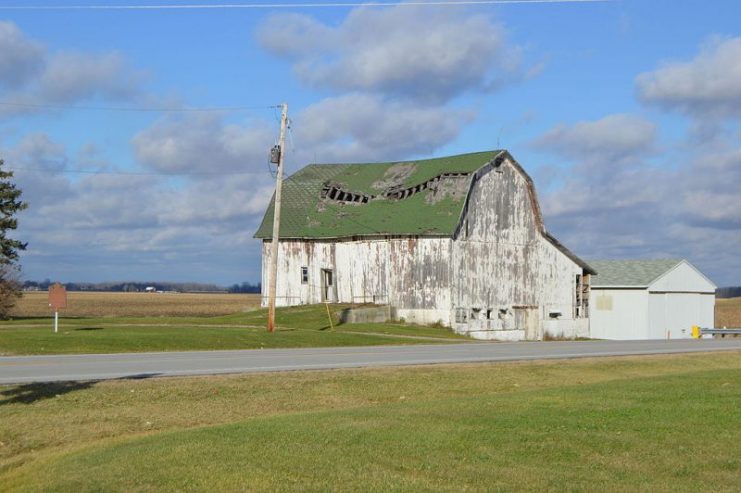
(630, 273)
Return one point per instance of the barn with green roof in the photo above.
(458, 240)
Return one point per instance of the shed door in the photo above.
(673, 314)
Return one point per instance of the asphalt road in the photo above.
(25, 369)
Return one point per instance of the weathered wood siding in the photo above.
(507, 277)
(413, 274)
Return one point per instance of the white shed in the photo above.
(649, 299)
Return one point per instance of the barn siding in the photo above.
(419, 288)
(508, 277)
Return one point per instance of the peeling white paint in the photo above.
(499, 272)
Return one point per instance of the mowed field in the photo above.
(653, 424)
(87, 304)
(728, 312)
(95, 305)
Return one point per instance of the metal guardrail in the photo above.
(698, 332)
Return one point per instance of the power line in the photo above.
(133, 108)
(293, 5)
(128, 173)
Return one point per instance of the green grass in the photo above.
(305, 326)
(661, 423)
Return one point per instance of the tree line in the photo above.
(729, 292)
(135, 287)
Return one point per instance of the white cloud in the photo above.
(31, 77)
(422, 53)
(354, 127)
(358, 127)
(115, 225)
(20, 58)
(203, 144)
(78, 76)
(711, 182)
(615, 203)
(708, 85)
(607, 140)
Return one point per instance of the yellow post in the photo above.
(695, 332)
(329, 316)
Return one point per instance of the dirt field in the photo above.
(85, 304)
(728, 312)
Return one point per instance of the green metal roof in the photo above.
(306, 213)
(630, 273)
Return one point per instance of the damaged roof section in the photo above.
(423, 197)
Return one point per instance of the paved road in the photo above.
(24, 369)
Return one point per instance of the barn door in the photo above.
(327, 285)
(526, 318)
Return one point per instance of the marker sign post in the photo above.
(57, 300)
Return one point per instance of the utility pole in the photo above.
(276, 219)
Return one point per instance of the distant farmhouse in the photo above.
(650, 299)
(458, 240)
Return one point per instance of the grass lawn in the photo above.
(305, 326)
(659, 423)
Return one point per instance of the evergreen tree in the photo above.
(10, 205)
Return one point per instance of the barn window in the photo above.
(304, 275)
(581, 296)
(460, 315)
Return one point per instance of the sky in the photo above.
(140, 137)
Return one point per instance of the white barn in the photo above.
(458, 240)
(649, 299)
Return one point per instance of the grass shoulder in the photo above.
(658, 423)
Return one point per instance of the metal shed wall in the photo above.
(620, 314)
(667, 308)
(672, 315)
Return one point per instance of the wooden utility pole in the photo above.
(276, 219)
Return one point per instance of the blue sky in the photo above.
(626, 114)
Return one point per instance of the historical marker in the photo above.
(57, 300)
